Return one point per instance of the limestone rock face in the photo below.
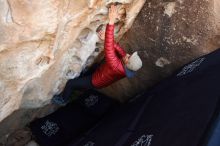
(45, 42)
(168, 34)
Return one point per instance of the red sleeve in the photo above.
(119, 50)
(110, 54)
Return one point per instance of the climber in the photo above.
(117, 64)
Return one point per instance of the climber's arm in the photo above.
(110, 54)
(119, 50)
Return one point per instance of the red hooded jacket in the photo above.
(112, 70)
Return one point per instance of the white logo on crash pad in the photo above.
(144, 140)
(190, 67)
(91, 100)
(90, 143)
(50, 128)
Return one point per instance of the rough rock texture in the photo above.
(168, 34)
(44, 43)
(66, 30)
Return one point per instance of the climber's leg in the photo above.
(71, 85)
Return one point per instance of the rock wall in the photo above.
(168, 34)
(43, 43)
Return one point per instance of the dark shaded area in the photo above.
(71, 121)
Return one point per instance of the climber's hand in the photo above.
(44, 59)
(113, 14)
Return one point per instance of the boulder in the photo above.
(44, 43)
